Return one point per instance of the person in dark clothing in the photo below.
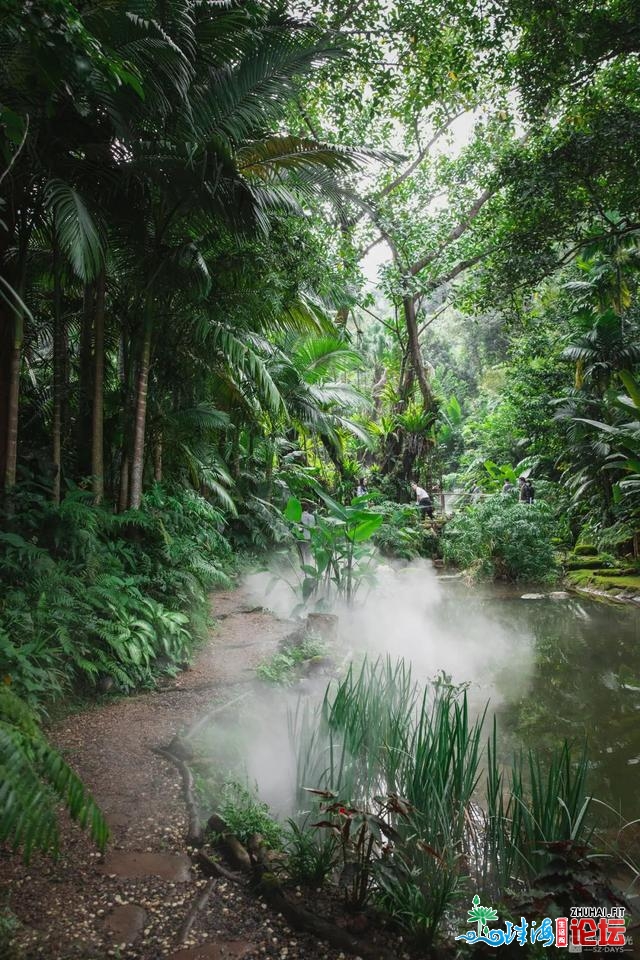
(527, 492)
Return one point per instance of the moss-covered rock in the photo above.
(619, 585)
(585, 550)
(583, 563)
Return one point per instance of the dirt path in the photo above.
(131, 903)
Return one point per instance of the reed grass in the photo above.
(377, 732)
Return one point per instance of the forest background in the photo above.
(189, 195)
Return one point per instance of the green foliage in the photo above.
(541, 806)
(281, 667)
(428, 844)
(311, 856)
(377, 729)
(403, 533)
(35, 780)
(95, 598)
(246, 815)
(504, 539)
(361, 836)
(335, 551)
(9, 925)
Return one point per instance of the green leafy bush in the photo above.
(280, 668)
(311, 855)
(246, 815)
(379, 728)
(336, 552)
(403, 534)
(504, 539)
(97, 598)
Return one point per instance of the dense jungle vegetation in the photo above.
(251, 252)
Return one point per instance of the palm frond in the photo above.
(77, 231)
(33, 778)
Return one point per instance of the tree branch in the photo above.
(455, 233)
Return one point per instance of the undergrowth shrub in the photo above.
(281, 667)
(93, 597)
(403, 533)
(246, 815)
(503, 538)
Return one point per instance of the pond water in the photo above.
(551, 669)
(572, 671)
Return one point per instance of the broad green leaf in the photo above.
(366, 528)
(293, 510)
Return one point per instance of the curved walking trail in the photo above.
(135, 901)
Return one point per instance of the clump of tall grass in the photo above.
(377, 733)
(530, 807)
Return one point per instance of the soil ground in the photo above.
(131, 903)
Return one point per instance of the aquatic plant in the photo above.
(378, 736)
(335, 555)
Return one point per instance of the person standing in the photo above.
(527, 493)
(361, 490)
(423, 500)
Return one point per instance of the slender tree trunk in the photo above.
(15, 363)
(14, 328)
(6, 350)
(234, 458)
(126, 415)
(157, 460)
(85, 384)
(58, 374)
(409, 307)
(97, 422)
(268, 473)
(123, 497)
(142, 386)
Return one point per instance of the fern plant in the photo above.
(34, 781)
(90, 594)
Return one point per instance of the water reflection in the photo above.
(583, 681)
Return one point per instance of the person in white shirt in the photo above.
(423, 500)
(361, 490)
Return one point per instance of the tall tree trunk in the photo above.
(157, 460)
(142, 386)
(409, 308)
(97, 421)
(268, 473)
(123, 496)
(234, 453)
(85, 384)
(58, 373)
(6, 350)
(124, 375)
(15, 363)
(14, 332)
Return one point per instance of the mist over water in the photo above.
(408, 613)
(411, 613)
(549, 668)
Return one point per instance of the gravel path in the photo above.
(132, 902)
